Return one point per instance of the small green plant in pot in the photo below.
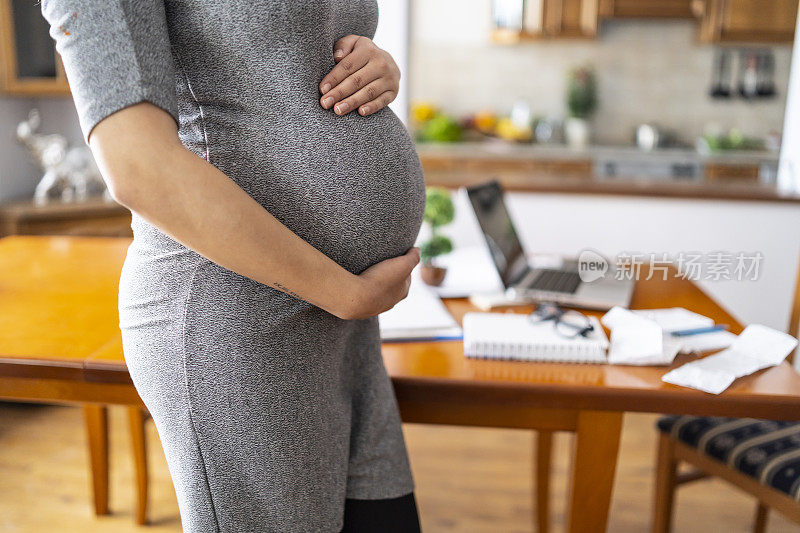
(581, 105)
(439, 211)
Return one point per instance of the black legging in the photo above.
(395, 515)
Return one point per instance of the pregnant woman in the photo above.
(275, 203)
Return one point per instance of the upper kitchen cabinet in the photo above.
(570, 18)
(29, 64)
(746, 21)
(646, 8)
(516, 20)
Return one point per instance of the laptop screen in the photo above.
(498, 229)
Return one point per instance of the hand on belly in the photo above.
(364, 78)
(383, 285)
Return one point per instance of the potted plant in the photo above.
(439, 211)
(581, 104)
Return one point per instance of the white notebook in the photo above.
(514, 336)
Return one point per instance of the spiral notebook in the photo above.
(514, 336)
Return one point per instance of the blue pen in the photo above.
(698, 331)
(425, 339)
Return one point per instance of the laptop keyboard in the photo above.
(556, 281)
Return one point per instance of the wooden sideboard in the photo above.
(95, 217)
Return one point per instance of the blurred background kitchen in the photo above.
(625, 126)
(657, 125)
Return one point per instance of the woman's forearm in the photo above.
(200, 207)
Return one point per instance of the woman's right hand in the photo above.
(382, 285)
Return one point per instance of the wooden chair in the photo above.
(761, 457)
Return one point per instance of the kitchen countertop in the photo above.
(519, 182)
(544, 182)
(508, 150)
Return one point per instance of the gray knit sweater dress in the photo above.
(271, 411)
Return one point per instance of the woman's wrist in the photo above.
(347, 295)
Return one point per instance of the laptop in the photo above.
(587, 283)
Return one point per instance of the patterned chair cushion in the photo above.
(766, 450)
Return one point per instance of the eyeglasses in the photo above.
(567, 323)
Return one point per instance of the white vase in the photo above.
(577, 131)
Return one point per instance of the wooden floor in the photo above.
(470, 480)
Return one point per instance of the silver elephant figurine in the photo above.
(70, 174)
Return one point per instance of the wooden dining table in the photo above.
(60, 342)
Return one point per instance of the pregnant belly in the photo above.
(351, 186)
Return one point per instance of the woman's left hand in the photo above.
(365, 77)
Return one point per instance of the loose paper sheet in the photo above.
(756, 348)
(637, 340)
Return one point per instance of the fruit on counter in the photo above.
(440, 128)
(484, 122)
(478, 126)
(506, 129)
(733, 140)
(422, 112)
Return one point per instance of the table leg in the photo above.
(666, 470)
(136, 423)
(543, 459)
(96, 417)
(593, 467)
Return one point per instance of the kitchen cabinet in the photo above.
(570, 18)
(720, 21)
(729, 172)
(646, 8)
(743, 21)
(445, 163)
(29, 64)
(517, 20)
(573, 168)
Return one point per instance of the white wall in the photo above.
(789, 169)
(392, 36)
(564, 224)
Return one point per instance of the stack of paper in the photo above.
(421, 316)
(644, 337)
(675, 318)
(678, 319)
(756, 348)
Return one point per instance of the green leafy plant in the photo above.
(439, 211)
(581, 92)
